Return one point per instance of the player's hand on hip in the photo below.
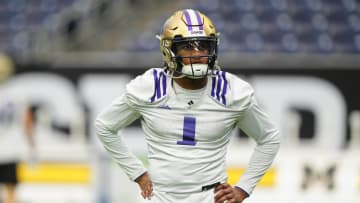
(146, 186)
(225, 193)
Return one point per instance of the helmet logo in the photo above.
(197, 32)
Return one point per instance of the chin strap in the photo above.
(210, 73)
(170, 74)
(195, 71)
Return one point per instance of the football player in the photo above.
(16, 119)
(188, 110)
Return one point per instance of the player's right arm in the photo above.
(112, 119)
(115, 117)
(121, 113)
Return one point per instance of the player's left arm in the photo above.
(257, 125)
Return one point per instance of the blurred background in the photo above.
(65, 60)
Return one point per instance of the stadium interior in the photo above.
(288, 30)
(72, 57)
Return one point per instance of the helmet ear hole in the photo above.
(163, 53)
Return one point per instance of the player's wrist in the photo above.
(138, 179)
(240, 194)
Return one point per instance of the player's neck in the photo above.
(191, 84)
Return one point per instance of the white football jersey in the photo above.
(187, 136)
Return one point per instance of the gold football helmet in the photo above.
(193, 27)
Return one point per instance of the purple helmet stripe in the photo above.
(188, 20)
(200, 23)
(224, 88)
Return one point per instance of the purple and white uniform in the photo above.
(188, 131)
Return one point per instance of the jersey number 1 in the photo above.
(188, 131)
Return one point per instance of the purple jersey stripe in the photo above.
(162, 74)
(188, 20)
(155, 76)
(218, 86)
(213, 85)
(157, 87)
(200, 23)
(224, 88)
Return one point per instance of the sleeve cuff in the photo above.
(135, 177)
(242, 190)
(135, 180)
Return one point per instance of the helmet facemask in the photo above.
(194, 69)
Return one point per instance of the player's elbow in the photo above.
(100, 128)
(275, 137)
(272, 142)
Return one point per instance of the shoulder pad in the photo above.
(229, 90)
(220, 87)
(149, 87)
(242, 92)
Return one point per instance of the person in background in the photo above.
(15, 119)
(188, 111)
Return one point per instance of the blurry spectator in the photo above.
(9, 155)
